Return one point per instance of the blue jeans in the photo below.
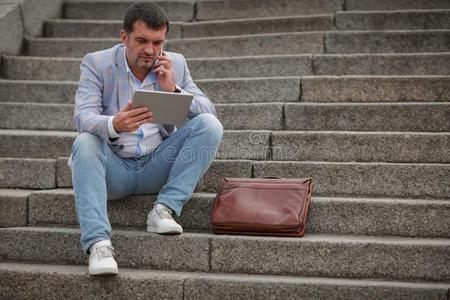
(172, 169)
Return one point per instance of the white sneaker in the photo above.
(101, 260)
(160, 221)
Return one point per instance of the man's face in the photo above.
(144, 45)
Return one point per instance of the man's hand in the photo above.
(164, 70)
(128, 120)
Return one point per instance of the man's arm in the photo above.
(200, 103)
(88, 107)
(88, 101)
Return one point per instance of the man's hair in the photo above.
(153, 15)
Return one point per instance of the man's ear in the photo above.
(123, 36)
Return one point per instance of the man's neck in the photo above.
(140, 73)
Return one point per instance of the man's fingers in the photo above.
(141, 117)
(127, 107)
(136, 111)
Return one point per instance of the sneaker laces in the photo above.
(104, 252)
(163, 213)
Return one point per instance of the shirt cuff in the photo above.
(111, 131)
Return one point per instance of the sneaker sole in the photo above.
(104, 272)
(162, 231)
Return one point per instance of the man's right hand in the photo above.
(128, 120)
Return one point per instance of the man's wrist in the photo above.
(176, 90)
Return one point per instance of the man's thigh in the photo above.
(120, 176)
(154, 175)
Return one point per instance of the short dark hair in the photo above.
(153, 15)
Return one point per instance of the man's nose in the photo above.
(148, 50)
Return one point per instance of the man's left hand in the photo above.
(164, 70)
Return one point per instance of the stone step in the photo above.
(232, 90)
(242, 144)
(322, 255)
(405, 41)
(115, 10)
(244, 45)
(326, 214)
(368, 116)
(21, 115)
(265, 145)
(393, 20)
(382, 64)
(96, 28)
(44, 68)
(281, 89)
(14, 207)
(375, 89)
(224, 9)
(368, 179)
(57, 282)
(102, 28)
(51, 173)
(418, 180)
(341, 146)
(403, 116)
(396, 5)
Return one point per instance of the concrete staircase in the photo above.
(354, 93)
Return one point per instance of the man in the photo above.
(119, 150)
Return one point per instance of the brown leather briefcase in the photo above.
(262, 206)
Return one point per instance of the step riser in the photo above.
(282, 44)
(222, 47)
(50, 173)
(326, 215)
(313, 89)
(426, 64)
(388, 180)
(396, 5)
(406, 148)
(28, 174)
(219, 10)
(287, 146)
(375, 89)
(55, 282)
(393, 21)
(211, 180)
(39, 92)
(98, 29)
(229, 254)
(235, 145)
(176, 10)
(249, 46)
(354, 261)
(177, 253)
(290, 24)
(389, 117)
(55, 28)
(384, 42)
(24, 116)
(219, 91)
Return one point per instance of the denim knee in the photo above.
(210, 125)
(88, 145)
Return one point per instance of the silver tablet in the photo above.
(167, 108)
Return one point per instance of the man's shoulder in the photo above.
(103, 58)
